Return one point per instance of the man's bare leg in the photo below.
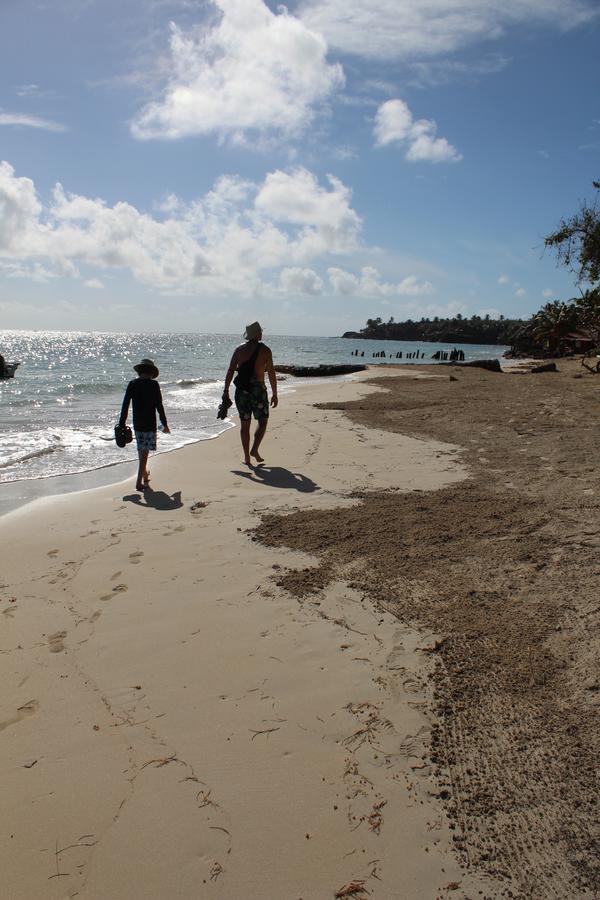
(245, 437)
(258, 436)
(142, 471)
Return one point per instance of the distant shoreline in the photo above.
(356, 335)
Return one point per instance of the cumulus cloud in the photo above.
(229, 240)
(300, 281)
(254, 71)
(22, 120)
(520, 292)
(504, 279)
(369, 284)
(547, 292)
(94, 283)
(343, 282)
(411, 287)
(389, 30)
(325, 217)
(394, 124)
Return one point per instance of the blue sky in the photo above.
(192, 166)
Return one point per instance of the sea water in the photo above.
(57, 415)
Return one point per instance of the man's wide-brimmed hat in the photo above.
(253, 332)
(146, 367)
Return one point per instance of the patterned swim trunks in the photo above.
(255, 401)
(145, 440)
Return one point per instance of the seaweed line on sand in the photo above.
(504, 567)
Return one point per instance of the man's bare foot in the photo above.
(248, 462)
(147, 477)
(139, 487)
(256, 456)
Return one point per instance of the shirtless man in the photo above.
(251, 360)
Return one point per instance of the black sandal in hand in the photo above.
(224, 407)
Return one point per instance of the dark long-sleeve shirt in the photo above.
(146, 399)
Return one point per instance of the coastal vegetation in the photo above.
(456, 330)
(559, 326)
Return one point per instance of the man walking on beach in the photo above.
(251, 360)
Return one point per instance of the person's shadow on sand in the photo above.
(276, 476)
(156, 499)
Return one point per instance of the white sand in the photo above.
(177, 726)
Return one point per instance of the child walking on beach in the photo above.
(146, 399)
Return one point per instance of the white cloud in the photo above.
(168, 204)
(520, 292)
(300, 281)
(227, 241)
(432, 73)
(392, 30)
(28, 90)
(21, 120)
(344, 152)
(343, 282)
(394, 124)
(33, 272)
(411, 287)
(254, 71)
(369, 284)
(19, 208)
(548, 292)
(372, 286)
(94, 283)
(326, 218)
(504, 279)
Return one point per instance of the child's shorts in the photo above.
(255, 401)
(146, 440)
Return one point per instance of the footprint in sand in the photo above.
(136, 557)
(95, 616)
(52, 553)
(173, 530)
(118, 589)
(23, 712)
(115, 576)
(56, 641)
(412, 686)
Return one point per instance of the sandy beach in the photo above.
(367, 669)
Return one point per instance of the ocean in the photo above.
(57, 415)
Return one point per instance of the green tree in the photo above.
(553, 321)
(577, 242)
(587, 309)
